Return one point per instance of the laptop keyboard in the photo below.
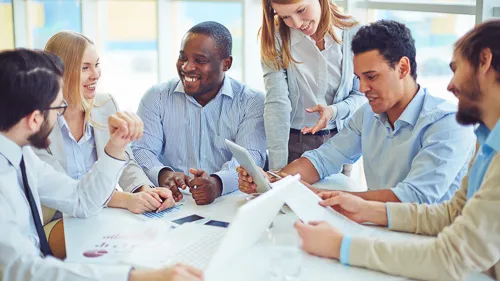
(200, 248)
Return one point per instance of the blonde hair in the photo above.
(330, 18)
(70, 47)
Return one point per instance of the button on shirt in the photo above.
(80, 155)
(319, 76)
(20, 256)
(181, 134)
(423, 159)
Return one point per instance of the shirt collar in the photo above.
(226, 88)
(61, 121)
(412, 111)
(489, 138)
(296, 36)
(10, 150)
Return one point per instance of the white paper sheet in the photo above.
(305, 204)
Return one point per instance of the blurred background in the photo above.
(138, 40)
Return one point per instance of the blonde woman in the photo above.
(308, 75)
(80, 134)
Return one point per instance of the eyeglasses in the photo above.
(60, 109)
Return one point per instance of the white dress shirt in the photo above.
(80, 155)
(20, 256)
(319, 76)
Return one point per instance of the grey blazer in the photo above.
(282, 95)
(105, 105)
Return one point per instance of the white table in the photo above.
(254, 263)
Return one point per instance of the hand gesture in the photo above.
(124, 127)
(204, 188)
(173, 181)
(325, 115)
(165, 195)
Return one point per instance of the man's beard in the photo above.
(40, 139)
(468, 111)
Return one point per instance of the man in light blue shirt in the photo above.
(186, 120)
(413, 148)
(463, 233)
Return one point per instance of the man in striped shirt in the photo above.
(187, 119)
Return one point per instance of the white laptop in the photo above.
(211, 248)
(245, 229)
(246, 161)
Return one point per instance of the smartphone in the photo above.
(217, 223)
(190, 218)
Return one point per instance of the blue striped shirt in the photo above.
(180, 134)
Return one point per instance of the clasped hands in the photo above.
(204, 188)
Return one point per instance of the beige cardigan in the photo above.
(467, 236)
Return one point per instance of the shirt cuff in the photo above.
(388, 215)
(154, 172)
(335, 112)
(345, 247)
(405, 194)
(113, 167)
(229, 181)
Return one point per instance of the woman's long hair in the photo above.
(270, 53)
(70, 47)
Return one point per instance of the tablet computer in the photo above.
(245, 160)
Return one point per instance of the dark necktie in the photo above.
(44, 245)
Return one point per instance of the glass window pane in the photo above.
(47, 17)
(227, 13)
(128, 48)
(6, 25)
(434, 36)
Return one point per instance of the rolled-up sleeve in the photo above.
(343, 148)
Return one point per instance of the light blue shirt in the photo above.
(423, 159)
(80, 155)
(489, 145)
(180, 134)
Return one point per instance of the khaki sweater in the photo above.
(467, 236)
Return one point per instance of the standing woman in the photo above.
(80, 134)
(308, 75)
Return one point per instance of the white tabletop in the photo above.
(252, 265)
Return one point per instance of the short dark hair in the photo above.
(484, 35)
(219, 33)
(30, 80)
(392, 39)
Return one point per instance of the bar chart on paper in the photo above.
(153, 215)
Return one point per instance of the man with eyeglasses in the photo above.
(31, 96)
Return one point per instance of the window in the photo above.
(434, 36)
(6, 25)
(190, 13)
(127, 43)
(47, 17)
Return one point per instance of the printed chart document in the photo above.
(111, 243)
(305, 204)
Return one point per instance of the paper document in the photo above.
(305, 204)
(111, 243)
